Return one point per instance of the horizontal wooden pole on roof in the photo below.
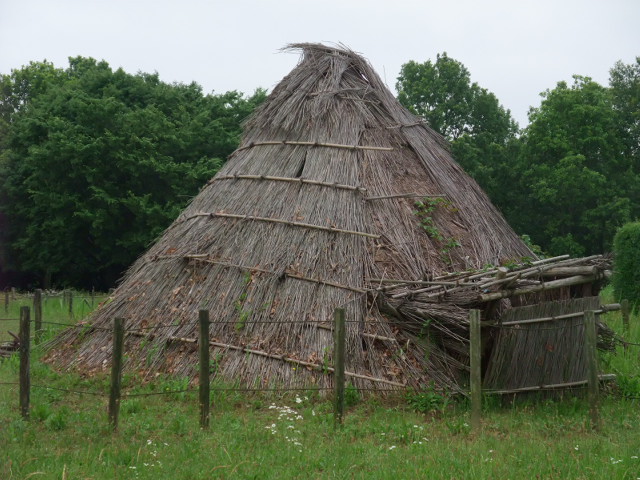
(316, 144)
(537, 268)
(412, 282)
(367, 335)
(325, 282)
(565, 282)
(200, 258)
(283, 358)
(299, 180)
(315, 366)
(602, 378)
(284, 222)
(406, 195)
(474, 275)
(569, 271)
(551, 269)
(505, 279)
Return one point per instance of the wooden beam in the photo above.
(565, 282)
(298, 180)
(314, 144)
(279, 220)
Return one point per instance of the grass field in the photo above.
(291, 435)
(54, 308)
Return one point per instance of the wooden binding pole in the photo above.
(338, 365)
(405, 195)
(475, 379)
(624, 306)
(592, 368)
(25, 379)
(564, 282)
(277, 220)
(283, 358)
(116, 371)
(37, 313)
(316, 144)
(607, 377)
(298, 180)
(204, 390)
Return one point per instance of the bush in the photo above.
(626, 270)
(427, 400)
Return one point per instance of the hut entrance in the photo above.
(540, 345)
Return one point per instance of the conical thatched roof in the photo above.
(310, 209)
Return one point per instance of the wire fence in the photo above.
(246, 389)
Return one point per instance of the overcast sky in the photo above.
(514, 48)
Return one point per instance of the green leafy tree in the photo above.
(482, 133)
(575, 179)
(624, 82)
(99, 162)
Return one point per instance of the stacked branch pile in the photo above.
(439, 308)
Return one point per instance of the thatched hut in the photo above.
(334, 189)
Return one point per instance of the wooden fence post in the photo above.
(338, 365)
(70, 303)
(6, 301)
(25, 379)
(116, 371)
(592, 367)
(624, 306)
(37, 314)
(204, 387)
(475, 378)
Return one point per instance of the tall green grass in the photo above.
(291, 435)
(54, 310)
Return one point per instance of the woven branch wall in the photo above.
(540, 353)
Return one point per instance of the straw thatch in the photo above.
(318, 200)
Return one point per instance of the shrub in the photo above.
(626, 270)
(427, 400)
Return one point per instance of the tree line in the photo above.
(570, 178)
(96, 162)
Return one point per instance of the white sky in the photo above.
(514, 48)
